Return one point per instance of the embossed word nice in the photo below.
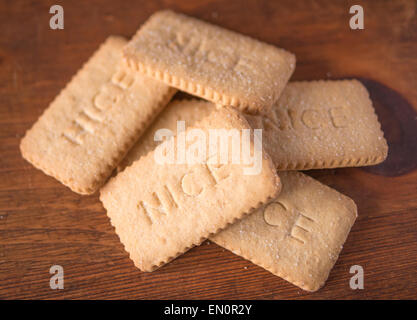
(203, 50)
(193, 183)
(217, 146)
(296, 224)
(287, 119)
(92, 116)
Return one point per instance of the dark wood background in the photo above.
(42, 223)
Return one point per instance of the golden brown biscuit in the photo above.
(161, 210)
(276, 245)
(210, 62)
(322, 124)
(299, 235)
(94, 121)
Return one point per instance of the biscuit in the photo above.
(210, 62)
(298, 236)
(189, 111)
(94, 121)
(322, 124)
(161, 210)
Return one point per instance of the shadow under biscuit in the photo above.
(399, 122)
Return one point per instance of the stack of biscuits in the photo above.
(109, 118)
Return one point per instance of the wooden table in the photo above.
(43, 223)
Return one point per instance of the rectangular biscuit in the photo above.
(299, 195)
(160, 210)
(95, 120)
(322, 124)
(299, 235)
(210, 62)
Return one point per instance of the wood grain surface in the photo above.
(43, 223)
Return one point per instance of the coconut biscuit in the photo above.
(95, 120)
(160, 210)
(210, 62)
